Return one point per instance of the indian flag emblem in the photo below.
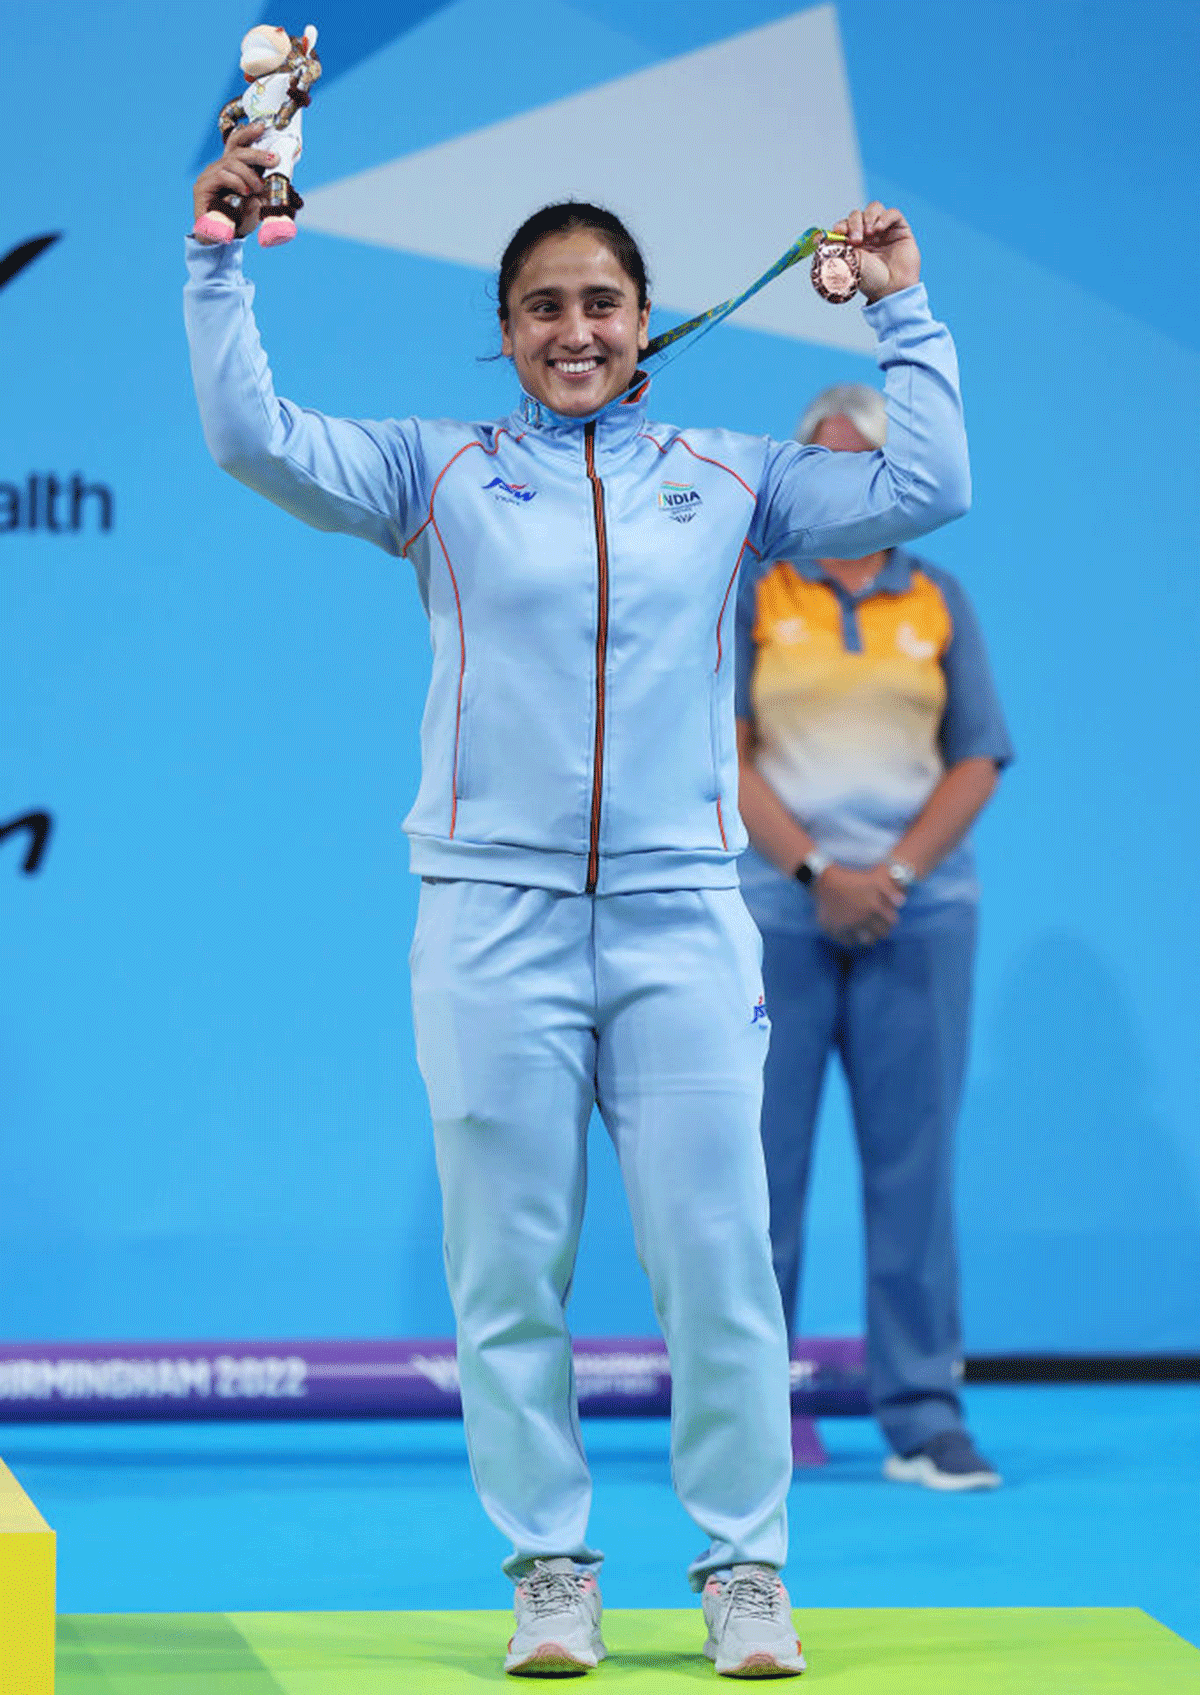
(679, 501)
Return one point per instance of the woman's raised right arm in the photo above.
(359, 478)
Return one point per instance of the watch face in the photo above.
(835, 271)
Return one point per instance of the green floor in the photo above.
(877, 1651)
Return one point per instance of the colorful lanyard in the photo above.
(656, 355)
(652, 362)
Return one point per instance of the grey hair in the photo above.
(857, 401)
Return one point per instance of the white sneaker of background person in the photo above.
(949, 1460)
(558, 1621)
(750, 1630)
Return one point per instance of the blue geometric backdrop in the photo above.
(213, 1123)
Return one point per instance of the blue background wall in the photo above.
(212, 1119)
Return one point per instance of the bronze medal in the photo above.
(835, 271)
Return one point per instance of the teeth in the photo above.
(574, 367)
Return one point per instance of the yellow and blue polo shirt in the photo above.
(860, 704)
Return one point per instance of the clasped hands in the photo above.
(857, 907)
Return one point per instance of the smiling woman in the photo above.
(574, 308)
(581, 939)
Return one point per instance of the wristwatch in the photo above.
(811, 867)
(902, 873)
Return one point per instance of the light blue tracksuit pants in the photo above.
(530, 1007)
(898, 1015)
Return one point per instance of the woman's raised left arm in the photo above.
(813, 503)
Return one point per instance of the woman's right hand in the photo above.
(239, 170)
(857, 906)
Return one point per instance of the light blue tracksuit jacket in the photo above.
(579, 576)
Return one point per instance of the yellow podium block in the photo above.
(26, 1593)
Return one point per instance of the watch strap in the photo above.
(811, 867)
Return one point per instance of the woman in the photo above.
(870, 738)
(581, 939)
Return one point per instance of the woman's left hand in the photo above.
(887, 251)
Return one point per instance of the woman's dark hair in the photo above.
(560, 220)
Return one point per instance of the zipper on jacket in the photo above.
(589, 454)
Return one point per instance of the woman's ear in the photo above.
(505, 338)
(644, 328)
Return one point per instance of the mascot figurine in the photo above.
(280, 69)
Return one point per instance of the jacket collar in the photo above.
(617, 423)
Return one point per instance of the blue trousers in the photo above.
(530, 1007)
(898, 1016)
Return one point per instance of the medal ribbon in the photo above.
(653, 361)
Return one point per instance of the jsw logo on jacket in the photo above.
(580, 576)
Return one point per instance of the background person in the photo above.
(581, 940)
(870, 737)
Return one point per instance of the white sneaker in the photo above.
(558, 1621)
(949, 1460)
(750, 1631)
